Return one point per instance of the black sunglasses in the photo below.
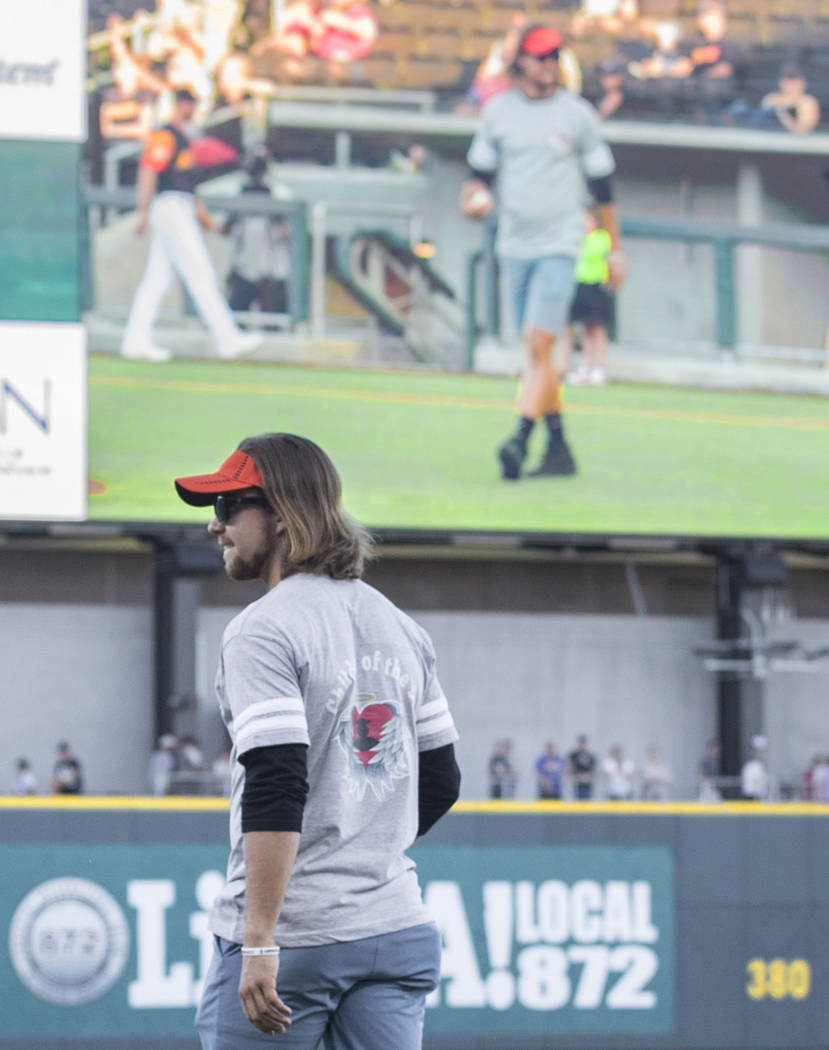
(225, 507)
(545, 57)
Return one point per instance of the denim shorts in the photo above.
(540, 290)
(368, 994)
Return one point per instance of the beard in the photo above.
(252, 566)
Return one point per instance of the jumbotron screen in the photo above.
(174, 385)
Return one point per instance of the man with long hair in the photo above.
(543, 143)
(342, 755)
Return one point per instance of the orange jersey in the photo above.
(168, 153)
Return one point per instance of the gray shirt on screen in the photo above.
(543, 150)
(334, 665)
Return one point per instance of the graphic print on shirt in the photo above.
(372, 734)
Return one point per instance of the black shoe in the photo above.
(557, 461)
(511, 454)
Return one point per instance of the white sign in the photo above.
(68, 941)
(43, 70)
(42, 421)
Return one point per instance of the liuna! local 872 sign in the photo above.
(539, 939)
(113, 939)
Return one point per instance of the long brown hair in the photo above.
(303, 488)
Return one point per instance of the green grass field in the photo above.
(417, 450)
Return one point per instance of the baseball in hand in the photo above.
(478, 203)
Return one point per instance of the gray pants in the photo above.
(359, 995)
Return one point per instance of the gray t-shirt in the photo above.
(542, 150)
(335, 665)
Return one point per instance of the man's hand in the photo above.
(477, 200)
(141, 225)
(616, 269)
(257, 990)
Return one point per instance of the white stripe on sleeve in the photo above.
(434, 707)
(294, 727)
(435, 725)
(278, 705)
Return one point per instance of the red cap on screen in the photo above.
(239, 471)
(541, 40)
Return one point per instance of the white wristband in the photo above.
(272, 950)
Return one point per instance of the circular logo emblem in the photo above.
(68, 941)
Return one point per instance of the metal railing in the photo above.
(295, 212)
(724, 239)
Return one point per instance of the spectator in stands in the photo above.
(492, 75)
(809, 777)
(708, 772)
(592, 306)
(67, 775)
(339, 32)
(235, 81)
(791, 107)
(190, 756)
(549, 772)
(713, 60)
(501, 772)
(542, 143)
(618, 772)
(24, 782)
(657, 777)
(581, 767)
(413, 159)
(666, 61)
(128, 104)
(222, 771)
(291, 39)
(614, 17)
(820, 780)
(611, 75)
(754, 776)
(163, 763)
(346, 31)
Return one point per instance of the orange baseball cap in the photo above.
(239, 471)
(541, 40)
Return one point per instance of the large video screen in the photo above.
(319, 235)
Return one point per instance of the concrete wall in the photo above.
(80, 673)
(532, 649)
(536, 677)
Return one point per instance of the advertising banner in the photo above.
(566, 939)
(576, 939)
(570, 930)
(42, 421)
(42, 70)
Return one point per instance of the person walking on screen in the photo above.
(592, 306)
(542, 142)
(342, 755)
(167, 204)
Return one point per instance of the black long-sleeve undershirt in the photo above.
(276, 787)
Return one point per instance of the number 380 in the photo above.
(778, 978)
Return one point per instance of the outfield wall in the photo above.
(564, 926)
(529, 650)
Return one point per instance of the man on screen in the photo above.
(342, 755)
(167, 203)
(542, 142)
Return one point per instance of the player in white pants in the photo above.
(166, 200)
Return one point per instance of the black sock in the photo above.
(555, 431)
(525, 428)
